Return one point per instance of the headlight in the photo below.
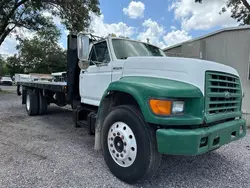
(166, 107)
(177, 107)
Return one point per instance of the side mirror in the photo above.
(82, 47)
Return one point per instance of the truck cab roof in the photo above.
(121, 38)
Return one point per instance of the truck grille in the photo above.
(223, 93)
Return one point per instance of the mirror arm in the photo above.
(102, 64)
(98, 64)
(94, 62)
(95, 52)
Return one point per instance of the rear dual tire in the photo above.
(124, 129)
(36, 103)
(32, 107)
(43, 104)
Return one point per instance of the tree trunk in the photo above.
(246, 4)
(5, 34)
(4, 30)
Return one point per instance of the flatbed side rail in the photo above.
(56, 87)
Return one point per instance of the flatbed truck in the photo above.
(140, 104)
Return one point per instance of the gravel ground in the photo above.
(8, 88)
(47, 151)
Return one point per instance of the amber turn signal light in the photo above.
(160, 107)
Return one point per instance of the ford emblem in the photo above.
(228, 95)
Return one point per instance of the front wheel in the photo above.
(129, 145)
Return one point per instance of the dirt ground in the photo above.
(47, 151)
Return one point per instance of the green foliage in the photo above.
(240, 10)
(40, 57)
(29, 14)
(42, 54)
(14, 65)
(75, 13)
(3, 67)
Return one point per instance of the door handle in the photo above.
(117, 68)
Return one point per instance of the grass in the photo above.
(4, 92)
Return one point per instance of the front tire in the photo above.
(32, 102)
(129, 144)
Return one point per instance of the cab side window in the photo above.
(99, 53)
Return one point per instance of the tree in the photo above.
(42, 54)
(3, 68)
(240, 10)
(14, 65)
(39, 56)
(28, 14)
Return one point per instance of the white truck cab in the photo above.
(106, 62)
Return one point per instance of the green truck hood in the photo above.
(144, 88)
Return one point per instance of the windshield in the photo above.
(126, 48)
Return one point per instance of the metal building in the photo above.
(229, 46)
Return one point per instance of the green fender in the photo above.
(144, 88)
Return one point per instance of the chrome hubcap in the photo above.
(28, 102)
(122, 144)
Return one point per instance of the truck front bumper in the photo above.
(201, 140)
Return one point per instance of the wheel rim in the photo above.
(28, 102)
(122, 144)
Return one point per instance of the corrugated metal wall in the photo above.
(174, 52)
(191, 49)
(230, 48)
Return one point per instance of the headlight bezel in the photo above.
(172, 101)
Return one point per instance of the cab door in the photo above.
(95, 80)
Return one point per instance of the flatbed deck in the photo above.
(52, 86)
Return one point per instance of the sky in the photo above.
(163, 22)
